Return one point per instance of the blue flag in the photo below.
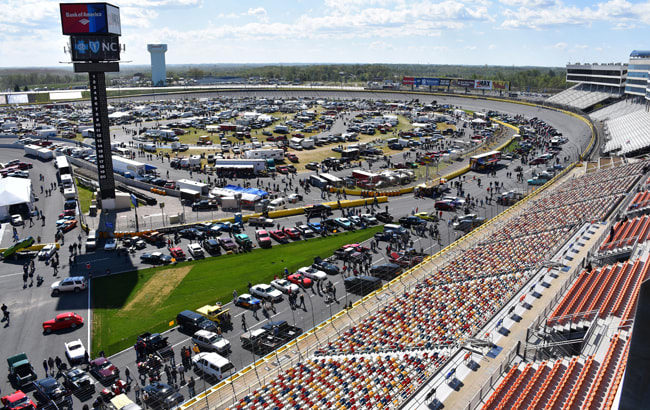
(134, 200)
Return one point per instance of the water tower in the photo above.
(158, 70)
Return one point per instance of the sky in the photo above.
(470, 32)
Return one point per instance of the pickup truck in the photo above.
(205, 204)
(468, 222)
(260, 341)
(21, 372)
(282, 330)
(217, 314)
(260, 221)
(155, 343)
(153, 237)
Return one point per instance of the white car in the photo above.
(47, 251)
(369, 219)
(195, 250)
(110, 245)
(75, 351)
(285, 286)
(16, 220)
(71, 284)
(207, 340)
(266, 292)
(312, 273)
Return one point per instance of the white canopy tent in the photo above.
(14, 191)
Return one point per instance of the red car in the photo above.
(292, 233)
(177, 253)
(282, 169)
(69, 225)
(68, 212)
(18, 401)
(300, 280)
(292, 157)
(263, 238)
(24, 165)
(62, 321)
(279, 236)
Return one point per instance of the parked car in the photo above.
(248, 302)
(49, 392)
(300, 280)
(162, 396)
(362, 284)
(76, 379)
(211, 341)
(326, 267)
(177, 253)
(47, 251)
(386, 271)
(104, 370)
(227, 244)
(155, 258)
(195, 250)
(75, 351)
(263, 238)
(70, 284)
(279, 236)
(311, 273)
(110, 245)
(266, 292)
(292, 233)
(18, 401)
(67, 320)
(285, 286)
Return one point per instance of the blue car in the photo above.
(343, 223)
(537, 181)
(315, 226)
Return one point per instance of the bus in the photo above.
(332, 180)
(483, 161)
(317, 181)
(62, 165)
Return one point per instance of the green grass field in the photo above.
(85, 197)
(129, 304)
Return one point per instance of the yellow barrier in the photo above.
(36, 247)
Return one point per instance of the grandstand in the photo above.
(583, 96)
(617, 110)
(413, 343)
(628, 134)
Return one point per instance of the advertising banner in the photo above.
(500, 85)
(90, 18)
(408, 80)
(95, 48)
(463, 83)
(17, 99)
(430, 81)
(483, 84)
(445, 81)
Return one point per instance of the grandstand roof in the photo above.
(640, 53)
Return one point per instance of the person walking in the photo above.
(45, 366)
(190, 386)
(243, 323)
(137, 392)
(302, 301)
(50, 364)
(181, 371)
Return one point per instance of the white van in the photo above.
(279, 203)
(212, 364)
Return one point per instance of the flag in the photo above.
(134, 200)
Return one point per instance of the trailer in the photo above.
(258, 165)
(37, 151)
(123, 165)
(200, 187)
(276, 154)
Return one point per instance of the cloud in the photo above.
(258, 12)
(561, 46)
(542, 14)
(492, 47)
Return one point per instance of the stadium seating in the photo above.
(616, 110)
(583, 96)
(628, 133)
(606, 289)
(588, 384)
(640, 203)
(626, 234)
(379, 361)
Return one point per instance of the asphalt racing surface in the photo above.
(30, 306)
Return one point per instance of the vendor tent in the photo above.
(13, 193)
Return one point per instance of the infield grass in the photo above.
(148, 300)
